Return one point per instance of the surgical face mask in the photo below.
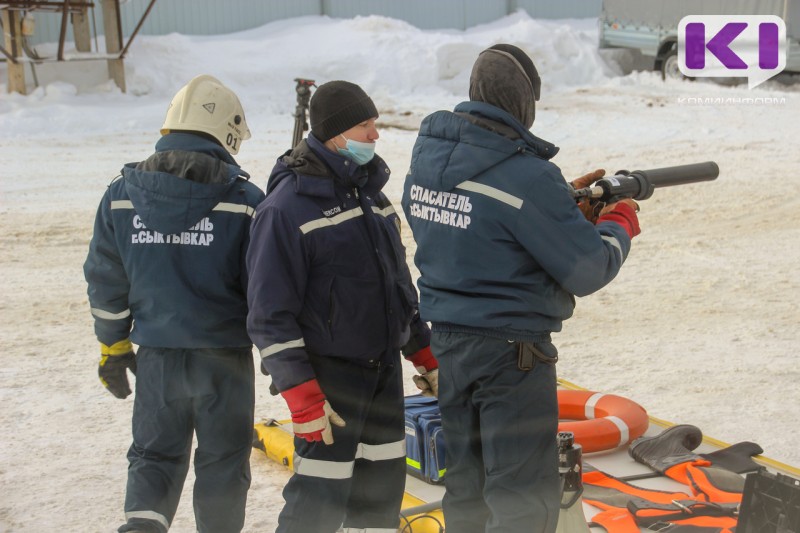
(360, 153)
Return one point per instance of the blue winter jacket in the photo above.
(501, 245)
(328, 272)
(167, 257)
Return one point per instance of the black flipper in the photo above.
(736, 458)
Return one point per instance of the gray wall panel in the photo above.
(482, 12)
(210, 17)
(423, 14)
(191, 17)
(562, 9)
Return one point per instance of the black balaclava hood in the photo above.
(504, 76)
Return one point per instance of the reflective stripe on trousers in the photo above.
(357, 483)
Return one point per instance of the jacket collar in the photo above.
(188, 142)
(345, 172)
(319, 172)
(544, 149)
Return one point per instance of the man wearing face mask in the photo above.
(502, 250)
(332, 305)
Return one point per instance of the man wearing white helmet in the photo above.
(166, 272)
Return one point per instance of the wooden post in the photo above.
(80, 29)
(12, 30)
(113, 31)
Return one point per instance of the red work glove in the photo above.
(624, 214)
(428, 367)
(312, 415)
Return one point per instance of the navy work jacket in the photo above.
(166, 263)
(328, 272)
(502, 248)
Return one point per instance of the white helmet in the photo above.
(206, 105)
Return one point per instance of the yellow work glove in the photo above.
(114, 361)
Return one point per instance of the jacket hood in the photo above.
(318, 170)
(181, 182)
(466, 143)
(498, 79)
(300, 160)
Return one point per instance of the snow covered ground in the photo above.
(700, 327)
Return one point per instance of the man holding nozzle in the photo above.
(502, 249)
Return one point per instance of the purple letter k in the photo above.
(718, 45)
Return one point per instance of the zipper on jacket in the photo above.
(386, 289)
(370, 236)
(330, 311)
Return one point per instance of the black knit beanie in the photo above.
(337, 106)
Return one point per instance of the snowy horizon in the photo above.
(395, 62)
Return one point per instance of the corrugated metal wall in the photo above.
(209, 17)
(424, 14)
(563, 9)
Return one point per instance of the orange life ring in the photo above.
(600, 421)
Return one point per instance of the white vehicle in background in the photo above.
(651, 26)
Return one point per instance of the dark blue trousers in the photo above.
(500, 426)
(358, 481)
(180, 392)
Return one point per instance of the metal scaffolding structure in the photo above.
(17, 25)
